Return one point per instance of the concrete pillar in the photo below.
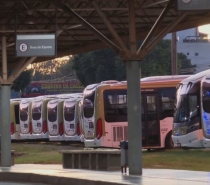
(0, 117)
(134, 118)
(5, 126)
(5, 111)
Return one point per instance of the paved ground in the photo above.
(54, 174)
(13, 183)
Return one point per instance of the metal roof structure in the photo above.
(75, 36)
(87, 25)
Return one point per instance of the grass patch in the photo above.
(36, 154)
(198, 160)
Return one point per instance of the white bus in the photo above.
(15, 121)
(191, 127)
(71, 119)
(39, 117)
(25, 119)
(85, 107)
(104, 118)
(55, 117)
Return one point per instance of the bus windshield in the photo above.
(206, 102)
(88, 105)
(186, 108)
(69, 110)
(36, 112)
(52, 114)
(24, 114)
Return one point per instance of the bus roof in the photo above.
(90, 89)
(157, 81)
(164, 78)
(196, 77)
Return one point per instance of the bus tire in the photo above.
(168, 141)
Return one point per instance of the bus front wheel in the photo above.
(168, 141)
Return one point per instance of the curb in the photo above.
(48, 180)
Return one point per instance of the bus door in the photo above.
(150, 120)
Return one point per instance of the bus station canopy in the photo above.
(79, 26)
(87, 25)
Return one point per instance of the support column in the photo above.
(5, 127)
(174, 54)
(134, 118)
(134, 97)
(5, 111)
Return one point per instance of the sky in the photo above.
(204, 29)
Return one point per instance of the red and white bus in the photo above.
(15, 121)
(55, 117)
(104, 112)
(71, 118)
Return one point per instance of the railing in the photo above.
(192, 39)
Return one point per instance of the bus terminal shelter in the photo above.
(38, 30)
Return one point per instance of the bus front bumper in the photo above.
(190, 140)
(40, 136)
(15, 136)
(92, 143)
(72, 138)
(206, 142)
(26, 136)
(56, 138)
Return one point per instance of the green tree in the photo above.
(158, 61)
(120, 69)
(22, 81)
(95, 66)
(185, 66)
(52, 69)
(102, 65)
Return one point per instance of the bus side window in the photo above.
(122, 107)
(151, 104)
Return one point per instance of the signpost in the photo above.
(193, 4)
(36, 45)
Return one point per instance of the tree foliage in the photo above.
(52, 69)
(101, 65)
(22, 81)
(96, 66)
(184, 61)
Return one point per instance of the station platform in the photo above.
(55, 174)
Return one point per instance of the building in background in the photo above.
(196, 46)
(49, 88)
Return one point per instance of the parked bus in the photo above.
(39, 116)
(15, 121)
(25, 119)
(71, 119)
(191, 127)
(86, 105)
(104, 115)
(55, 118)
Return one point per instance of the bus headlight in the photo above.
(178, 131)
